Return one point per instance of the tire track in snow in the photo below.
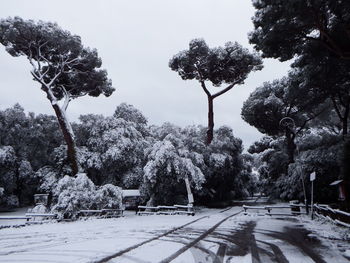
(196, 240)
(126, 250)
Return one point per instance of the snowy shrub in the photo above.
(74, 194)
(39, 209)
(59, 156)
(133, 178)
(109, 196)
(48, 178)
(2, 195)
(7, 155)
(217, 160)
(89, 159)
(11, 201)
(77, 193)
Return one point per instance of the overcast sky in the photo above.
(136, 39)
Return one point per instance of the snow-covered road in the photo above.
(239, 238)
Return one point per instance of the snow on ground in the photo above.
(337, 237)
(238, 239)
(84, 241)
(14, 222)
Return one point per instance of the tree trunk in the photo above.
(290, 145)
(342, 117)
(151, 201)
(345, 120)
(345, 127)
(210, 131)
(345, 170)
(189, 192)
(19, 186)
(68, 137)
(66, 129)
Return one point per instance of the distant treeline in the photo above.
(122, 150)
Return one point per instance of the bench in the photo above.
(147, 210)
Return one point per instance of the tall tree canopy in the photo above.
(284, 28)
(63, 67)
(327, 78)
(228, 65)
(279, 100)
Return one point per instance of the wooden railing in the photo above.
(102, 213)
(166, 210)
(293, 210)
(337, 216)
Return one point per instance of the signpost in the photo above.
(312, 179)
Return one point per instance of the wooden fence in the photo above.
(166, 210)
(277, 210)
(337, 216)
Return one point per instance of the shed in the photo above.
(341, 188)
(131, 198)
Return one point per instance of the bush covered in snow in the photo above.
(48, 178)
(108, 196)
(77, 193)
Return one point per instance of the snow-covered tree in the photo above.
(77, 193)
(282, 100)
(31, 139)
(166, 167)
(224, 166)
(221, 163)
(60, 64)
(228, 65)
(113, 147)
(8, 163)
(131, 114)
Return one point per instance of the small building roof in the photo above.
(131, 192)
(336, 182)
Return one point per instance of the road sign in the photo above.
(312, 176)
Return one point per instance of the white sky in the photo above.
(136, 39)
